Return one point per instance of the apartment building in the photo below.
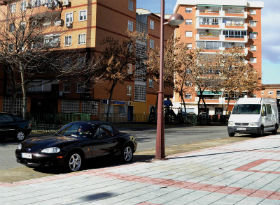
(216, 25)
(149, 24)
(77, 25)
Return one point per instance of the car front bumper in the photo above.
(244, 130)
(40, 160)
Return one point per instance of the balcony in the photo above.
(236, 39)
(209, 37)
(236, 14)
(207, 12)
(222, 13)
(235, 26)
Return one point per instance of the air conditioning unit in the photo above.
(65, 3)
(69, 24)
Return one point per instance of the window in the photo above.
(83, 88)
(208, 21)
(151, 83)
(188, 34)
(234, 34)
(130, 5)
(188, 96)
(128, 90)
(253, 35)
(253, 48)
(152, 43)
(13, 8)
(130, 25)
(69, 106)
(66, 87)
(253, 60)
(22, 25)
(83, 15)
(188, 10)
(12, 27)
(23, 6)
(11, 47)
(270, 92)
(253, 12)
(90, 107)
(188, 22)
(68, 41)
(152, 24)
(278, 93)
(253, 23)
(129, 69)
(189, 46)
(262, 92)
(68, 18)
(140, 93)
(188, 83)
(82, 39)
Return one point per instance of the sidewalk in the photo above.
(242, 173)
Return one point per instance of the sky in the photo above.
(270, 35)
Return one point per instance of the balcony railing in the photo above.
(222, 13)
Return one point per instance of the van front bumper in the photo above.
(244, 130)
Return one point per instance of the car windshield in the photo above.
(75, 129)
(247, 109)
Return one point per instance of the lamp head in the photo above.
(175, 20)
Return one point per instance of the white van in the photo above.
(254, 116)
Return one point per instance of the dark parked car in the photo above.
(12, 126)
(74, 143)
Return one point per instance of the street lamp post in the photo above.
(174, 20)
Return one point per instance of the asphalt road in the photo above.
(145, 137)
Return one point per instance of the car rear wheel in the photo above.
(74, 162)
(127, 154)
(20, 136)
(275, 130)
(261, 131)
(231, 134)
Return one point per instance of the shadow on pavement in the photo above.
(103, 162)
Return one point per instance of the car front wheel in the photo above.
(20, 136)
(75, 162)
(127, 154)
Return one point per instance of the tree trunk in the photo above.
(23, 89)
(110, 100)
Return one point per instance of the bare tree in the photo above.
(23, 46)
(237, 76)
(114, 64)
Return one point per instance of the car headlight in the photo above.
(19, 146)
(51, 150)
(253, 124)
(230, 123)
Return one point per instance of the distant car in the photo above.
(12, 126)
(74, 143)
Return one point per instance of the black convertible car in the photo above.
(12, 126)
(74, 143)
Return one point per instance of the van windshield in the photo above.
(247, 109)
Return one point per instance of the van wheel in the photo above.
(261, 131)
(231, 134)
(275, 130)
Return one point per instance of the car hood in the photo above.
(239, 118)
(36, 143)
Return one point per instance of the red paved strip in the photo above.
(196, 186)
(248, 167)
(251, 165)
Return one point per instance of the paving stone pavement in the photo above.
(242, 173)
